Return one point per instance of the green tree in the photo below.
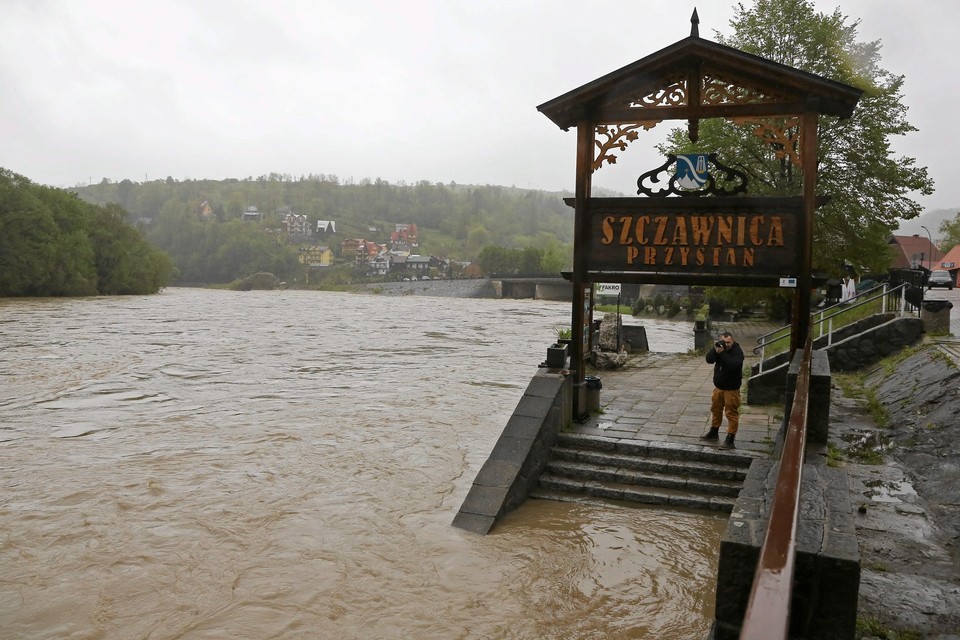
(870, 187)
(28, 240)
(125, 263)
(494, 259)
(556, 258)
(477, 238)
(950, 233)
(54, 244)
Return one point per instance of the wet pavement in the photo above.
(665, 397)
(909, 571)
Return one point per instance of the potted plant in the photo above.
(701, 317)
(558, 351)
(701, 328)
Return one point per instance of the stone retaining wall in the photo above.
(860, 346)
(866, 349)
(513, 469)
(468, 288)
(827, 572)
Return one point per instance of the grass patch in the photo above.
(891, 363)
(854, 386)
(872, 627)
(865, 455)
(843, 316)
(877, 411)
(776, 343)
(836, 319)
(624, 309)
(834, 456)
(939, 354)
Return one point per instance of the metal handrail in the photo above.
(768, 609)
(890, 299)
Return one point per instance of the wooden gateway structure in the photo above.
(723, 238)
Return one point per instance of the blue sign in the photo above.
(692, 170)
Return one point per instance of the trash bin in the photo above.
(700, 335)
(935, 315)
(834, 290)
(593, 385)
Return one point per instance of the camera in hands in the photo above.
(719, 344)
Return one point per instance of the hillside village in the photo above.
(397, 258)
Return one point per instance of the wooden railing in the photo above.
(768, 610)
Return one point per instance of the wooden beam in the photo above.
(581, 226)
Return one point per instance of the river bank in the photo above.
(467, 288)
(897, 441)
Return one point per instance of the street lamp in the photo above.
(931, 244)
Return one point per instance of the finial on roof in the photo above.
(694, 24)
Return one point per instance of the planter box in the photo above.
(557, 356)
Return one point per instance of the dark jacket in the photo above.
(727, 367)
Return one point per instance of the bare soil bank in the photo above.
(907, 507)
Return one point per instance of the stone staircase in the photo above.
(657, 473)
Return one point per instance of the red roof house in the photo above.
(912, 252)
(951, 262)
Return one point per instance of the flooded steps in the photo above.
(658, 473)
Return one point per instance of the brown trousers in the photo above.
(725, 402)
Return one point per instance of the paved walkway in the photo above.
(665, 397)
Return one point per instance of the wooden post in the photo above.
(581, 224)
(808, 157)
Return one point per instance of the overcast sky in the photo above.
(438, 90)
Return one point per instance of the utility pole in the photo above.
(930, 239)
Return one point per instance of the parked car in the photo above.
(940, 279)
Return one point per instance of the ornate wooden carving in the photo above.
(782, 134)
(725, 182)
(714, 90)
(673, 94)
(717, 90)
(617, 137)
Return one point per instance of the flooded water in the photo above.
(214, 464)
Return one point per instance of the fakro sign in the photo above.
(608, 288)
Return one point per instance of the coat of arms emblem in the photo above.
(692, 171)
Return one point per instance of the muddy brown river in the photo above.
(286, 464)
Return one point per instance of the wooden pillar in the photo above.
(801, 301)
(585, 150)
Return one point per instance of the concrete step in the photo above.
(733, 458)
(657, 473)
(571, 490)
(663, 477)
(652, 463)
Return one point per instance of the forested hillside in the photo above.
(453, 221)
(54, 244)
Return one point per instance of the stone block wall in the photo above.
(521, 453)
(827, 570)
(865, 349)
(860, 345)
(636, 337)
(818, 407)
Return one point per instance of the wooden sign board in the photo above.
(755, 241)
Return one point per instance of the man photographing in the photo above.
(727, 360)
